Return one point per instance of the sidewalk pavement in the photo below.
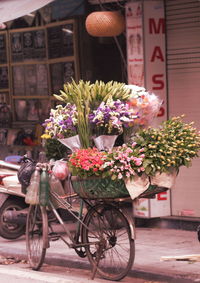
(151, 244)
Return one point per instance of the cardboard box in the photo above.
(157, 207)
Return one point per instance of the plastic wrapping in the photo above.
(57, 188)
(137, 186)
(164, 179)
(105, 142)
(24, 173)
(60, 169)
(72, 143)
(32, 195)
(145, 104)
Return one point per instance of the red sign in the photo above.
(154, 52)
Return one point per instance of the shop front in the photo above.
(39, 52)
(163, 54)
(183, 76)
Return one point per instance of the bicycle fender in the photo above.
(131, 224)
(132, 228)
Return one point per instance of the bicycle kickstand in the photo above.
(99, 253)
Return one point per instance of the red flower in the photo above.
(86, 161)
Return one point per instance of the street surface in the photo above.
(55, 274)
(63, 264)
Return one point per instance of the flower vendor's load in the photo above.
(93, 110)
(94, 115)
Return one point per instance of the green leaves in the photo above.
(173, 144)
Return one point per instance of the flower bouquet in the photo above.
(87, 97)
(108, 109)
(108, 121)
(126, 162)
(62, 125)
(146, 105)
(167, 148)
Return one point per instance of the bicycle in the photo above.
(105, 233)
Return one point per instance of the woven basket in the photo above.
(99, 188)
(105, 23)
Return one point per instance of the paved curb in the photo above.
(55, 259)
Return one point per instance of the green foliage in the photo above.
(172, 145)
(54, 149)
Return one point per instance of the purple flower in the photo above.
(111, 117)
(62, 122)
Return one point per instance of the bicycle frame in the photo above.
(68, 207)
(105, 234)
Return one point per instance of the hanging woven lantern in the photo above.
(105, 23)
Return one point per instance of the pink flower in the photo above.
(120, 176)
(138, 161)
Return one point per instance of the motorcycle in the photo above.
(12, 201)
(13, 208)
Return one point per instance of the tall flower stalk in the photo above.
(87, 96)
(79, 95)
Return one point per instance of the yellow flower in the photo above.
(45, 136)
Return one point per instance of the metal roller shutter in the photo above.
(183, 76)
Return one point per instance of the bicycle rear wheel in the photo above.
(36, 235)
(113, 251)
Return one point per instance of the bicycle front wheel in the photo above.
(113, 250)
(36, 235)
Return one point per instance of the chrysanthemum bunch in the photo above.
(111, 116)
(62, 122)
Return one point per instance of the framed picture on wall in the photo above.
(4, 97)
(32, 109)
(18, 80)
(20, 109)
(3, 51)
(67, 40)
(68, 71)
(16, 47)
(30, 80)
(39, 44)
(61, 73)
(3, 77)
(44, 109)
(54, 38)
(56, 73)
(42, 79)
(28, 45)
(43, 58)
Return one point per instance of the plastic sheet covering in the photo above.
(13, 9)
